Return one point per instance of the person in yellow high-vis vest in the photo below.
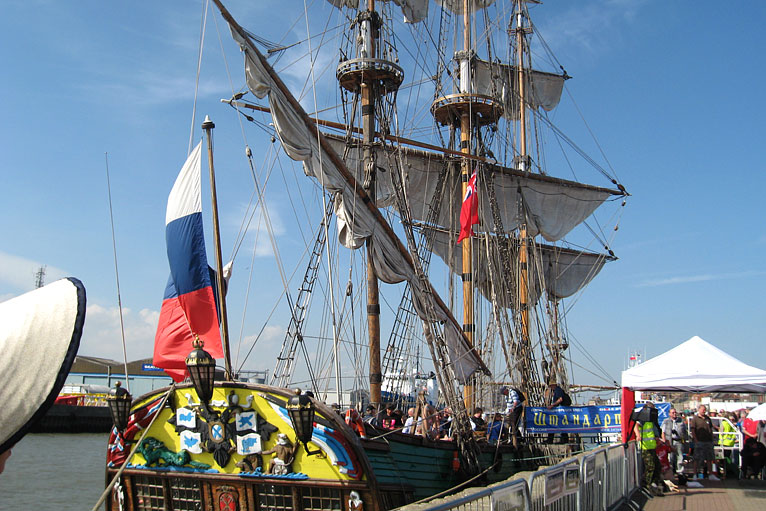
(646, 435)
(728, 436)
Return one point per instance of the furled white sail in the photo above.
(553, 206)
(500, 81)
(559, 271)
(457, 6)
(357, 222)
(414, 11)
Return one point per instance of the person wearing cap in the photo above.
(557, 397)
(647, 433)
(369, 415)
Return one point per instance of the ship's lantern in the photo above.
(301, 410)
(119, 401)
(201, 368)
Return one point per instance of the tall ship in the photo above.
(449, 161)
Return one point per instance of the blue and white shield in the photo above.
(191, 441)
(217, 433)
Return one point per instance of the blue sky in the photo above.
(671, 90)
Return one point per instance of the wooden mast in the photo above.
(368, 93)
(524, 167)
(465, 148)
(208, 127)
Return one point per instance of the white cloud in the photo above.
(19, 273)
(588, 26)
(257, 231)
(700, 278)
(265, 349)
(102, 336)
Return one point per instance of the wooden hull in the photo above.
(422, 468)
(170, 472)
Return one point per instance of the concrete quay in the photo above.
(726, 495)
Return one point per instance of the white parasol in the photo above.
(39, 337)
(758, 413)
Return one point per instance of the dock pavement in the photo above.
(726, 495)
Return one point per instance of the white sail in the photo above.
(457, 6)
(560, 272)
(500, 81)
(553, 206)
(414, 11)
(357, 223)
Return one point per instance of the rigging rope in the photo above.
(203, 24)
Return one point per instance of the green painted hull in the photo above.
(412, 464)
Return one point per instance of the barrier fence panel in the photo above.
(615, 473)
(631, 467)
(595, 481)
(592, 482)
(555, 488)
(506, 496)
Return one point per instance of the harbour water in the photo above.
(62, 472)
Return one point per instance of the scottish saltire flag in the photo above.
(469, 212)
(188, 308)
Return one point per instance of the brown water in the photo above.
(60, 472)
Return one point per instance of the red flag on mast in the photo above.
(469, 213)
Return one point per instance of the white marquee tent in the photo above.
(695, 366)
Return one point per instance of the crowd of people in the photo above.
(502, 426)
(435, 424)
(691, 437)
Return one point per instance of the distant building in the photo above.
(143, 377)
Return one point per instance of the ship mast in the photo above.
(523, 165)
(465, 147)
(467, 110)
(370, 75)
(368, 131)
(208, 126)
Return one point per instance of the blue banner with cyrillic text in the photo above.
(580, 419)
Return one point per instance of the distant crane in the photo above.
(40, 277)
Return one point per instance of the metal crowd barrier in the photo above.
(598, 480)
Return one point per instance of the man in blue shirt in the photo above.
(514, 409)
(495, 429)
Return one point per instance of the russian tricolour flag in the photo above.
(189, 307)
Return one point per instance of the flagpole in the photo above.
(208, 127)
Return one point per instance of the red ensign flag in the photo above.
(469, 213)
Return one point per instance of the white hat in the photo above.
(39, 337)
(282, 439)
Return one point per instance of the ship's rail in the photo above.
(599, 480)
